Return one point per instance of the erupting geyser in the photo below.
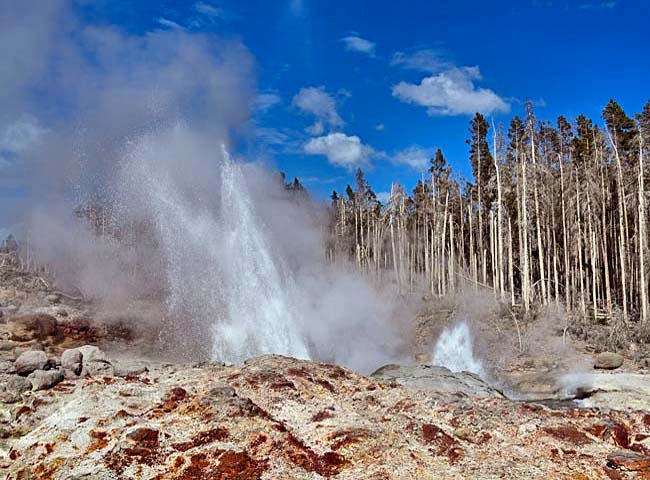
(258, 318)
(454, 351)
(219, 267)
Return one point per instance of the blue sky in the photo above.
(381, 84)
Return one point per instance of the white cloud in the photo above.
(207, 9)
(451, 92)
(340, 149)
(380, 127)
(316, 101)
(165, 22)
(354, 43)
(415, 157)
(266, 101)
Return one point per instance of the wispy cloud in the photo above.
(415, 157)
(321, 180)
(354, 43)
(380, 127)
(316, 101)
(608, 4)
(165, 22)
(266, 101)
(209, 10)
(426, 60)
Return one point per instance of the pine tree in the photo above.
(622, 129)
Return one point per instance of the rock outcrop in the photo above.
(438, 380)
(277, 417)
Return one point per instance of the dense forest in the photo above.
(556, 214)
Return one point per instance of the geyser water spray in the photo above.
(221, 274)
(258, 316)
(454, 350)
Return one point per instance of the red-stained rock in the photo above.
(627, 460)
(447, 445)
(569, 433)
(32, 326)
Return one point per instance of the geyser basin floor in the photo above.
(277, 417)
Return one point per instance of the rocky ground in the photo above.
(73, 406)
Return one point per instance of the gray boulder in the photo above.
(91, 353)
(437, 379)
(97, 369)
(44, 379)
(30, 361)
(608, 361)
(127, 368)
(72, 360)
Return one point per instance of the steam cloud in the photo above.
(143, 123)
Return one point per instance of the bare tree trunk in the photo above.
(643, 285)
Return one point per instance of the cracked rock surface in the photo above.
(277, 417)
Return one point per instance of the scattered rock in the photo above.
(91, 353)
(53, 298)
(608, 361)
(72, 360)
(35, 326)
(30, 361)
(12, 387)
(44, 379)
(7, 367)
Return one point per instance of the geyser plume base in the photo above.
(240, 265)
(454, 350)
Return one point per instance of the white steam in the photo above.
(454, 351)
(137, 122)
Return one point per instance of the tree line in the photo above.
(556, 213)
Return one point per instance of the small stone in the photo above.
(30, 361)
(7, 367)
(608, 361)
(12, 388)
(44, 379)
(53, 298)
